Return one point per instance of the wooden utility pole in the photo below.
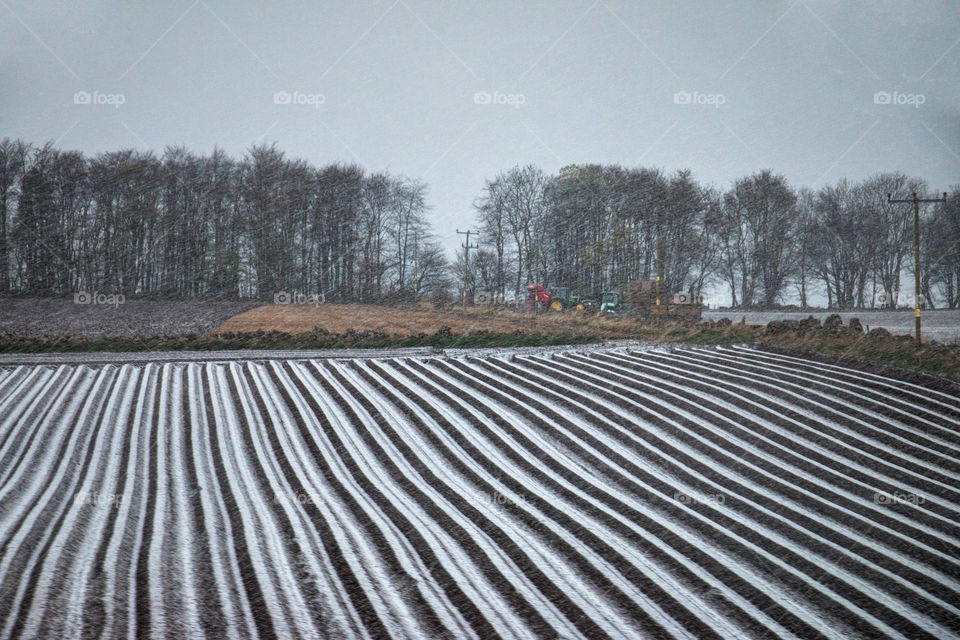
(659, 268)
(466, 261)
(916, 248)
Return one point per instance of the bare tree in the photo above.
(762, 220)
(13, 155)
(189, 226)
(941, 251)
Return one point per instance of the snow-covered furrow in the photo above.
(601, 493)
(17, 378)
(395, 579)
(766, 483)
(872, 427)
(742, 487)
(603, 517)
(925, 425)
(26, 433)
(821, 423)
(527, 495)
(675, 529)
(834, 480)
(20, 410)
(50, 491)
(936, 421)
(846, 582)
(431, 555)
(418, 454)
(916, 391)
(776, 424)
(71, 560)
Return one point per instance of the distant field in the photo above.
(942, 325)
(61, 317)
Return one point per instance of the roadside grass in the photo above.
(879, 348)
(897, 351)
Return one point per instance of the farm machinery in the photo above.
(640, 298)
(556, 299)
(562, 299)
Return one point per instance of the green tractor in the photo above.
(612, 302)
(562, 299)
(645, 299)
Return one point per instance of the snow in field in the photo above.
(588, 492)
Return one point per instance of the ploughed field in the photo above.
(103, 316)
(698, 493)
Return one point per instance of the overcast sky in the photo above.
(454, 92)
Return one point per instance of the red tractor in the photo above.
(538, 297)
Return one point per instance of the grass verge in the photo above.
(935, 359)
(841, 344)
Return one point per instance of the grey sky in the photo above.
(597, 83)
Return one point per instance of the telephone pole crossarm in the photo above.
(916, 201)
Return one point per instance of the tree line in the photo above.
(596, 227)
(183, 225)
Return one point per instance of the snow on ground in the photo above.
(591, 492)
(939, 324)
